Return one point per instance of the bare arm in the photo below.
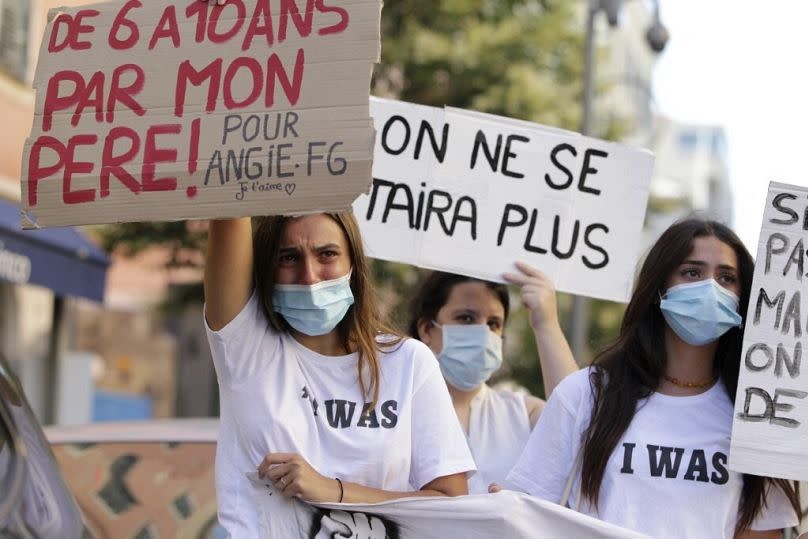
(534, 407)
(448, 485)
(294, 477)
(228, 270)
(539, 297)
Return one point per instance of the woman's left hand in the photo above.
(294, 477)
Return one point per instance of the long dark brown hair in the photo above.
(362, 325)
(631, 369)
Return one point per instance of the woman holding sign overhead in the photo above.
(462, 320)
(641, 438)
(316, 393)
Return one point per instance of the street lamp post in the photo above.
(579, 313)
(657, 37)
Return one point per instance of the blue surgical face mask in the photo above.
(314, 309)
(700, 312)
(470, 355)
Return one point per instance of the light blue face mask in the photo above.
(700, 312)
(470, 355)
(314, 309)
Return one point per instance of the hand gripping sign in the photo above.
(178, 109)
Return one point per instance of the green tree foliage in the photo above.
(516, 58)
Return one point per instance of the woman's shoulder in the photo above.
(575, 388)
(250, 319)
(406, 354)
(397, 346)
(577, 379)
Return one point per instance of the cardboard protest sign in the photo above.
(471, 193)
(480, 516)
(180, 109)
(770, 429)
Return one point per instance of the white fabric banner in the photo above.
(472, 193)
(506, 514)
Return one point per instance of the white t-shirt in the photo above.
(499, 427)
(278, 396)
(667, 476)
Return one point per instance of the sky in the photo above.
(741, 64)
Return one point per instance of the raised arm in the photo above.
(228, 270)
(539, 297)
(295, 478)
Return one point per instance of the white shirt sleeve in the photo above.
(547, 460)
(439, 447)
(241, 348)
(777, 514)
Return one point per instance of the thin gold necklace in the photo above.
(696, 385)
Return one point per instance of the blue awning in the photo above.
(61, 259)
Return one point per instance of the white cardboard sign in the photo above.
(770, 428)
(176, 109)
(472, 193)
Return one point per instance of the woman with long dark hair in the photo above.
(462, 320)
(316, 393)
(641, 438)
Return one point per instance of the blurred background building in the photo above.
(691, 169)
(81, 337)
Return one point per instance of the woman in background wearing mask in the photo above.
(641, 438)
(462, 320)
(315, 392)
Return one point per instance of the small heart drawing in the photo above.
(290, 188)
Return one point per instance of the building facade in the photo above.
(55, 296)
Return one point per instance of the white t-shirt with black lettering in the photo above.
(278, 396)
(668, 475)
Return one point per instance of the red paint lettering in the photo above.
(193, 150)
(200, 9)
(54, 101)
(36, 171)
(153, 155)
(74, 29)
(261, 14)
(62, 21)
(337, 28)
(275, 70)
(77, 167)
(212, 73)
(93, 95)
(120, 22)
(257, 83)
(213, 34)
(167, 28)
(112, 164)
(303, 25)
(83, 29)
(126, 94)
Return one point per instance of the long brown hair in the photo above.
(630, 369)
(361, 326)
